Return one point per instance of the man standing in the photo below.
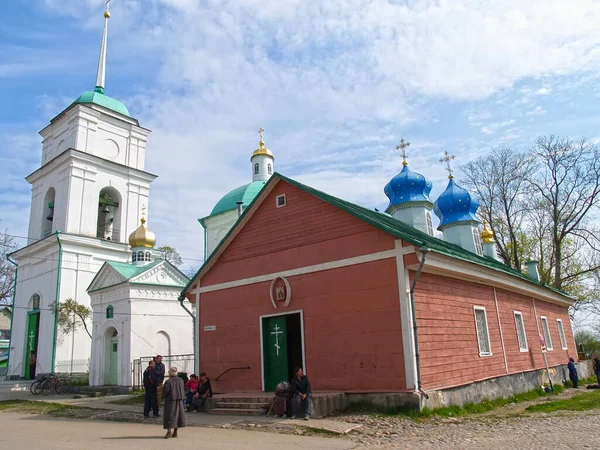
(596, 364)
(204, 393)
(160, 376)
(573, 372)
(151, 385)
(32, 364)
(302, 393)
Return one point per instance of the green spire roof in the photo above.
(100, 99)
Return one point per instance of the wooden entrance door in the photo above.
(33, 325)
(275, 351)
(113, 362)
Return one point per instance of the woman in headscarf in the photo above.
(173, 415)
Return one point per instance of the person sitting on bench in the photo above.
(302, 393)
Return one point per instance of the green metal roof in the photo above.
(391, 226)
(128, 270)
(103, 100)
(245, 194)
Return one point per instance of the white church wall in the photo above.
(217, 227)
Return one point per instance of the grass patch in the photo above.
(33, 407)
(137, 400)
(581, 402)
(582, 382)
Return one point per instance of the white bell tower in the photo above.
(87, 198)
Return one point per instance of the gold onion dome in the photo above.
(142, 237)
(487, 235)
(262, 150)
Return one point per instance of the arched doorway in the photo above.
(32, 337)
(162, 346)
(48, 214)
(111, 375)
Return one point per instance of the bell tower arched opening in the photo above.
(109, 215)
(48, 213)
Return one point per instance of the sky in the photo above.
(334, 83)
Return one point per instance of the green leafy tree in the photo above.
(72, 316)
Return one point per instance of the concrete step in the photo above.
(242, 405)
(237, 412)
(241, 399)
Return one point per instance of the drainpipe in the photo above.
(181, 299)
(12, 315)
(240, 208)
(60, 253)
(424, 251)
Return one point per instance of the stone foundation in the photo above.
(504, 386)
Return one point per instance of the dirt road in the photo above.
(44, 433)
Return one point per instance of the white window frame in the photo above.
(429, 222)
(277, 201)
(547, 336)
(526, 348)
(487, 329)
(561, 334)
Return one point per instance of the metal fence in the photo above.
(72, 366)
(184, 363)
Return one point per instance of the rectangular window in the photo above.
(546, 331)
(280, 200)
(483, 336)
(521, 336)
(561, 334)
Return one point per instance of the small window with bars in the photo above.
(546, 331)
(521, 336)
(561, 334)
(109, 312)
(429, 223)
(483, 335)
(269, 169)
(256, 169)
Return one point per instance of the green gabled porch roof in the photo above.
(128, 270)
(385, 223)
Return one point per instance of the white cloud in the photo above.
(495, 126)
(537, 111)
(543, 91)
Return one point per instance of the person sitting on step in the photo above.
(204, 393)
(302, 393)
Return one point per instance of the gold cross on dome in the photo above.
(403, 145)
(261, 130)
(447, 158)
(144, 213)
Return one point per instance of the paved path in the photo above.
(43, 433)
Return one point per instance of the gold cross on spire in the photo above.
(403, 145)
(447, 158)
(107, 12)
(143, 211)
(261, 130)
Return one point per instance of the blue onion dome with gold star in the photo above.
(406, 188)
(456, 206)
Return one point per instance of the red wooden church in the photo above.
(306, 279)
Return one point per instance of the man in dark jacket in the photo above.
(150, 385)
(203, 394)
(573, 372)
(596, 363)
(302, 393)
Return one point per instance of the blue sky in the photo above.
(335, 84)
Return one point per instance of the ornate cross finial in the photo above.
(143, 211)
(403, 145)
(107, 12)
(261, 130)
(447, 158)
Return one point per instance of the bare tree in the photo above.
(171, 255)
(72, 316)
(7, 269)
(567, 187)
(500, 181)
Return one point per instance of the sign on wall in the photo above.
(280, 292)
(210, 328)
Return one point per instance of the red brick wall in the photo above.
(448, 337)
(353, 339)
(306, 231)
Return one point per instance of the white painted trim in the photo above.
(408, 344)
(407, 250)
(548, 339)
(299, 271)
(487, 326)
(262, 355)
(562, 337)
(277, 205)
(467, 271)
(515, 314)
(501, 334)
(197, 337)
